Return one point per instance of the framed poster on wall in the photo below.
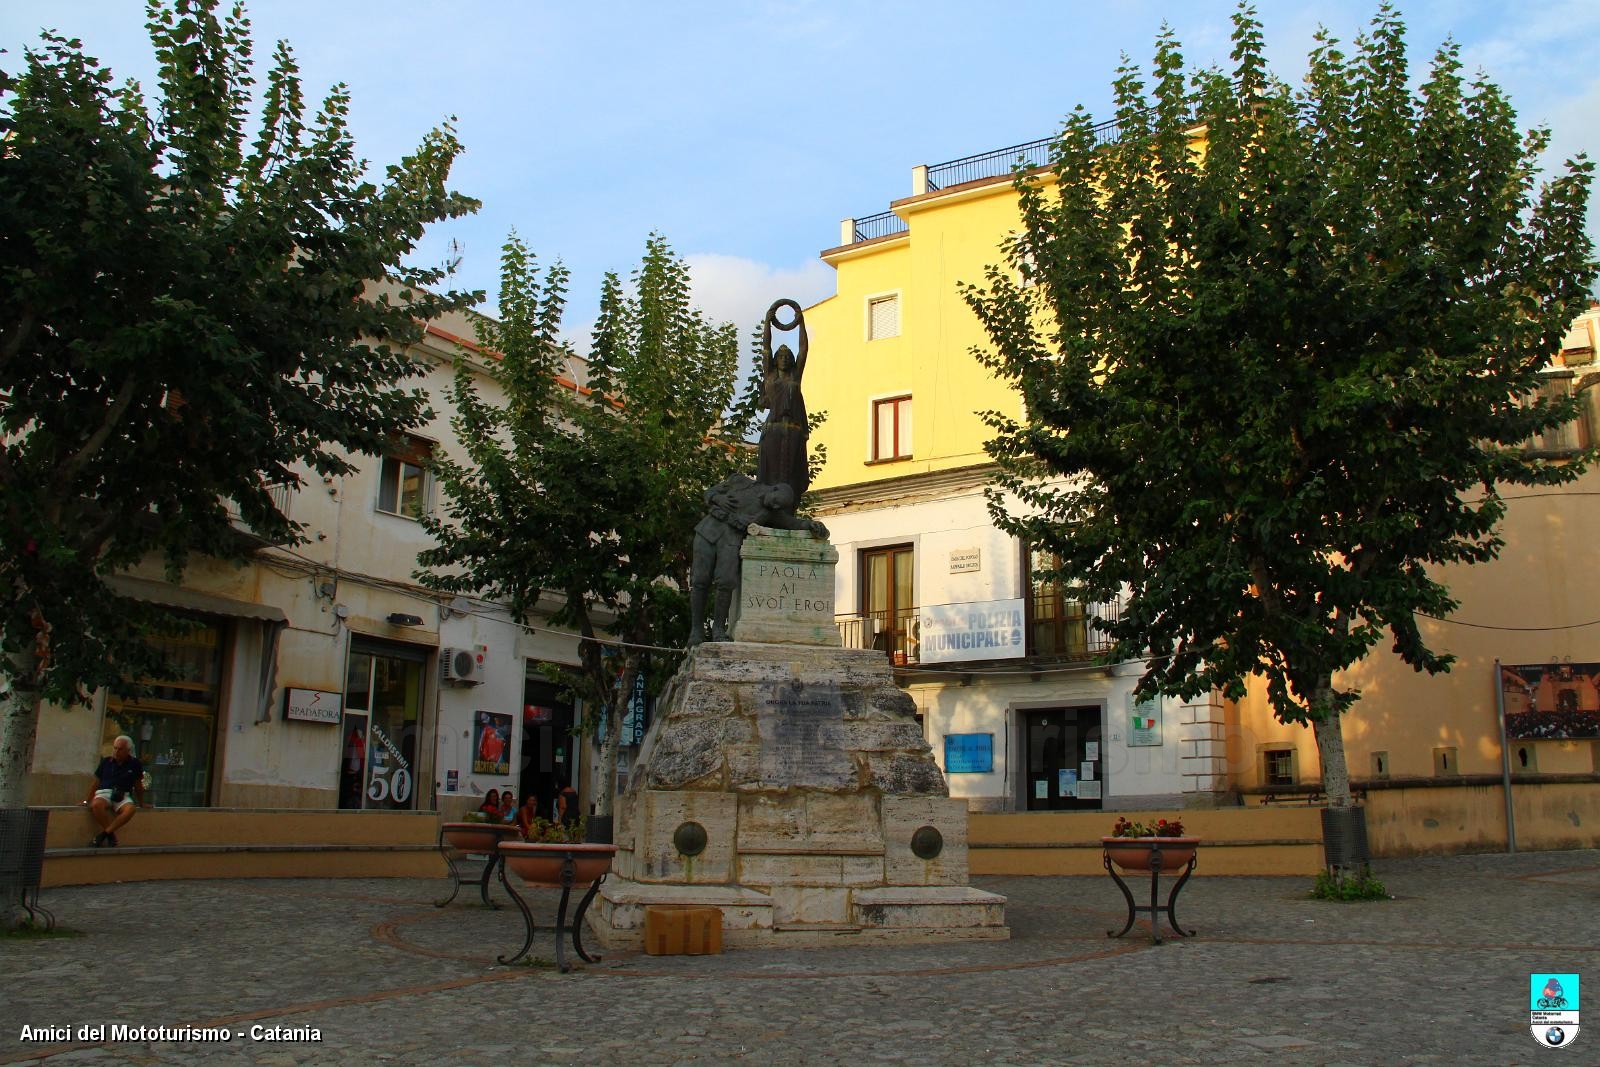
(491, 748)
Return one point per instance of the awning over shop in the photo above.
(175, 596)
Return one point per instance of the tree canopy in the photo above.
(1281, 356)
(190, 316)
(591, 495)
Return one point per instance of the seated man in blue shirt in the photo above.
(118, 785)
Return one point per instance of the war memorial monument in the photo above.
(785, 781)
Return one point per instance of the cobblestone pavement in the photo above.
(1438, 975)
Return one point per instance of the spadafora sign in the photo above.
(313, 705)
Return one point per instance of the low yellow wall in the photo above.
(1235, 841)
(1471, 817)
(98, 869)
(71, 827)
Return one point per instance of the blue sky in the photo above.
(745, 132)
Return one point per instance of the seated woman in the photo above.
(528, 812)
(490, 808)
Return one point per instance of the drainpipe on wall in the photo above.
(1505, 757)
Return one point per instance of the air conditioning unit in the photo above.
(460, 666)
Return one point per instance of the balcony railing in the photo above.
(882, 224)
(1058, 629)
(1030, 155)
(892, 633)
(281, 494)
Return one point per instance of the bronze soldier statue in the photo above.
(736, 503)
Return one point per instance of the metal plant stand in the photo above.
(491, 861)
(568, 879)
(1154, 910)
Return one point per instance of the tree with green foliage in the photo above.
(189, 317)
(589, 496)
(1281, 357)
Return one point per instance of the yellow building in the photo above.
(1002, 667)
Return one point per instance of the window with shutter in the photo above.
(883, 317)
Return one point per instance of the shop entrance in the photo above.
(1061, 750)
(383, 713)
(546, 759)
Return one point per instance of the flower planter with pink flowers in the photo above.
(1154, 849)
(1135, 855)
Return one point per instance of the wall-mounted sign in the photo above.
(1552, 701)
(987, 630)
(968, 753)
(312, 705)
(963, 560)
(452, 781)
(1144, 723)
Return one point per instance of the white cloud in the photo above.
(738, 290)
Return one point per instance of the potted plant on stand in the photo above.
(556, 855)
(1136, 847)
(475, 835)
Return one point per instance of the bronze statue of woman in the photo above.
(781, 457)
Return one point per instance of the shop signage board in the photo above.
(1144, 723)
(990, 629)
(968, 753)
(313, 705)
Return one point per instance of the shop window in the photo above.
(883, 317)
(1445, 761)
(174, 724)
(382, 714)
(403, 482)
(1278, 766)
(891, 429)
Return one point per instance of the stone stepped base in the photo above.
(791, 786)
(896, 914)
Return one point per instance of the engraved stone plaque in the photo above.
(802, 736)
(786, 589)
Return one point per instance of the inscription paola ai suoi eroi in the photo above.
(800, 587)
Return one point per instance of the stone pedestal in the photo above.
(786, 589)
(790, 786)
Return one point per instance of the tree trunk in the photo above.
(1329, 732)
(615, 710)
(19, 725)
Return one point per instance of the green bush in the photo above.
(1359, 886)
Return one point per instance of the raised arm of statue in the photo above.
(771, 322)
